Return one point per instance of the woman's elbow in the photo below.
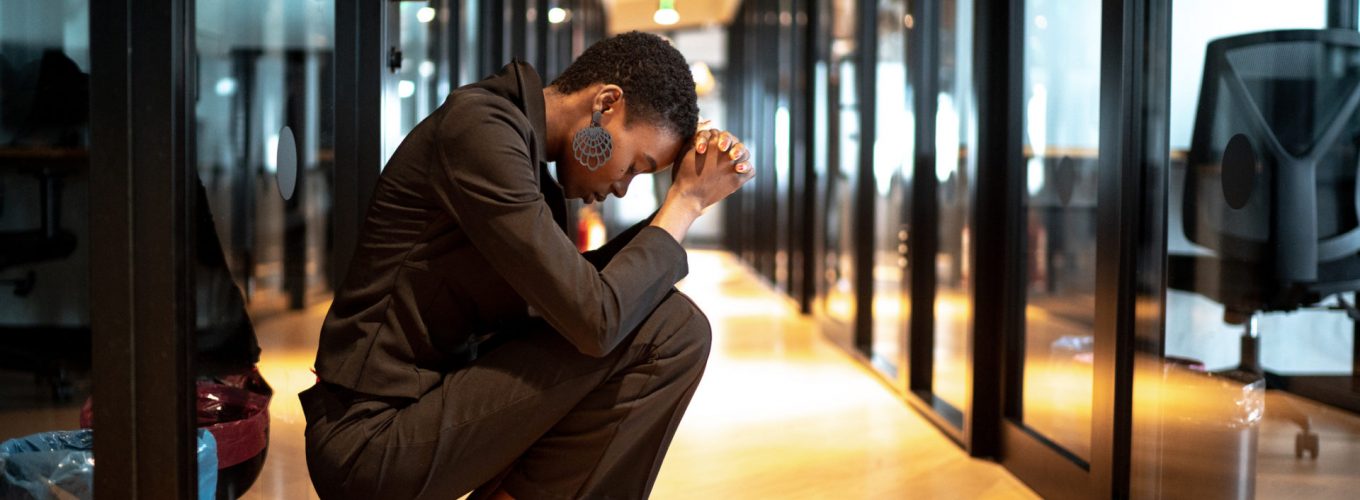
(593, 341)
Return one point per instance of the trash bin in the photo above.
(1211, 426)
(60, 465)
(235, 409)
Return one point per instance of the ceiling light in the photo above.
(666, 14)
(557, 15)
(226, 86)
(425, 14)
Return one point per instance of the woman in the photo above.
(471, 345)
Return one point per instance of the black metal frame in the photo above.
(998, 62)
(141, 300)
(866, 83)
(806, 231)
(1343, 14)
(360, 67)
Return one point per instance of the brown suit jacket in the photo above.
(465, 240)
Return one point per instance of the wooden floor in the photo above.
(781, 413)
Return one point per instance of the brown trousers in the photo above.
(531, 415)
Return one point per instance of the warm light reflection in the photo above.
(1197, 433)
(840, 305)
(704, 82)
(557, 15)
(953, 313)
(1057, 403)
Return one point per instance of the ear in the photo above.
(609, 100)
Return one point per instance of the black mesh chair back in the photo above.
(1271, 183)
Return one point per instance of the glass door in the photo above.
(264, 126)
(893, 150)
(1061, 116)
(841, 307)
(45, 336)
(954, 169)
(1051, 333)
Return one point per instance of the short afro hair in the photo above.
(654, 76)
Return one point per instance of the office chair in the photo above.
(1271, 184)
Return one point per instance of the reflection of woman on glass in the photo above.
(471, 345)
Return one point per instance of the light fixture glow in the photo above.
(226, 86)
(425, 14)
(406, 88)
(666, 16)
(666, 13)
(426, 68)
(557, 15)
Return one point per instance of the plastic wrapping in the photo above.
(60, 465)
(236, 410)
(56, 464)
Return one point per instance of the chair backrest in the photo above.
(1271, 180)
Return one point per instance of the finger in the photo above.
(701, 141)
(725, 141)
(738, 152)
(743, 168)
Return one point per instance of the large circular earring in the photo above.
(593, 145)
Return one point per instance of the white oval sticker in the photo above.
(286, 160)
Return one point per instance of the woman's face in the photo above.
(640, 148)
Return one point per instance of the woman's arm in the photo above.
(485, 177)
(715, 168)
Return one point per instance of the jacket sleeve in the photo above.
(486, 177)
(601, 257)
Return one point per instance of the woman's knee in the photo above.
(693, 335)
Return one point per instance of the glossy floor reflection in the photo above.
(781, 412)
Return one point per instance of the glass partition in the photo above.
(265, 137)
(844, 150)
(1061, 152)
(1252, 389)
(469, 45)
(893, 151)
(45, 348)
(955, 168)
(823, 108)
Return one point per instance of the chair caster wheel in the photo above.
(1306, 441)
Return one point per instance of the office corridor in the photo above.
(781, 412)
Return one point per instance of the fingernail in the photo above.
(722, 144)
(700, 147)
(742, 168)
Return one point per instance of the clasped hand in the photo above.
(714, 168)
